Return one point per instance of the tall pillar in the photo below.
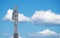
(15, 19)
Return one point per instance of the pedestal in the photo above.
(15, 35)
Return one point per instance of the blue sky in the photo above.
(28, 8)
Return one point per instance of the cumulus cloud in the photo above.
(38, 17)
(21, 17)
(45, 32)
(8, 16)
(46, 17)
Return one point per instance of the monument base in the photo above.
(15, 35)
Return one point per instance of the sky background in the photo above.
(28, 8)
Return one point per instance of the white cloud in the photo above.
(45, 32)
(8, 16)
(46, 17)
(21, 17)
(39, 16)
